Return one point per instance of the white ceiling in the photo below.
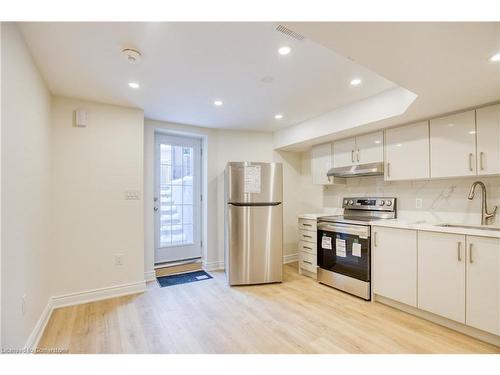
(445, 63)
(186, 66)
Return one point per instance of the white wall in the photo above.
(25, 166)
(222, 146)
(92, 221)
(442, 200)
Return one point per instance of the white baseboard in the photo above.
(219, 265)
(150, 276)
(213, 266)
(40, 325)
(290, 258)
(98, 294)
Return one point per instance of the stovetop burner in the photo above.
(364, 210)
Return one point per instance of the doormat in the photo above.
(183, 278)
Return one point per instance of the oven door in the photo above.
(344, 249)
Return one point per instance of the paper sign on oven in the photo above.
(340, 249)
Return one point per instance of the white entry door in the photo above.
(177, 198)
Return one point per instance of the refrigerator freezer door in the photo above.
(255, 238)
(249, 182)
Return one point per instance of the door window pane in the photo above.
(176, 195)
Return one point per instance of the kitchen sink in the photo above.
(465, 226)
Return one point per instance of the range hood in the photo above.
(370, 169)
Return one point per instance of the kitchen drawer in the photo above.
(307, 261)
(308, 247)
(307, 224)
(307, 235)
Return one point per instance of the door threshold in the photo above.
(177, 263)
(173, 268)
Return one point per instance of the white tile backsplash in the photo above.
(443, 200)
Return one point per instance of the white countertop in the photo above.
(313, 216)
(433, 227)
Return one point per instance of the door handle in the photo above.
(481, 165)
(357, 155)
(470, 254)
(459, 251)
(470, 162)
(375, 239)
(388, 170)
(352, 156)
(155, 209)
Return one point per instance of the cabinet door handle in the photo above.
(352, 156)
(375, 239)
(357, 155)
(470, 254)
(481, 165)
(470, 162)
(388, 170)
(459, 251)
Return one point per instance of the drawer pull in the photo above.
(306, 261)
(307, 225)
(307, 247)
(305, 235)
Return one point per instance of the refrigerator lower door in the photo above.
(254, 252)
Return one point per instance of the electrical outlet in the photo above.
(23, 304)
(118, 259)
(418, 203)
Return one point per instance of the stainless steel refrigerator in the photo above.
(253, 223)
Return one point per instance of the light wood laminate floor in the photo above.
(297, 316)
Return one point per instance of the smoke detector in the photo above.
(132, 55)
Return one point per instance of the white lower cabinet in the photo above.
(483, 283)
(395, 264)
(307, 247)
(441, 274)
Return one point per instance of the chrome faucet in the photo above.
(485, 215)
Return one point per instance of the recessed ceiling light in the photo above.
(285, 50)
(133, 85)
(279, 116)
(355, 81)
(495, 57)
(218, 103)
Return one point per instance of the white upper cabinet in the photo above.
(370, 148)
(344, 152)
(441, 274)
(407, 152)
(366, 148)
(483, 283)
(321, 162)
(488, 140)
(453, 145)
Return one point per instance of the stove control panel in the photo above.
(368, 203)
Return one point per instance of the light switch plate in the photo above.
(132, 195)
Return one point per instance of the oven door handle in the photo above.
(362, 232)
